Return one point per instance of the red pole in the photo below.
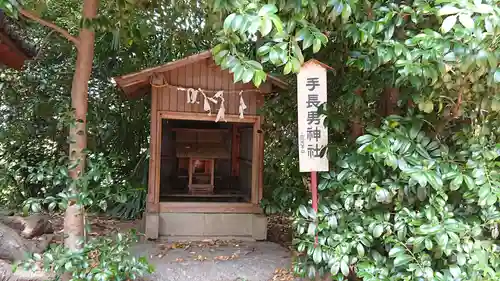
(314, 195)
(314, 190)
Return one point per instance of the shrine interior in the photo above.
(205, 161)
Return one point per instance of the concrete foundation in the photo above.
(212, 225)
(151, 222)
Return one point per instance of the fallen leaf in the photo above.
(282, 274)
(200, 258)
(222, 258)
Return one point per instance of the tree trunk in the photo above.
(357, 126)
(387, 104)
(74, 218)
(392, 97)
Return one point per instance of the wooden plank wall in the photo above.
(205, 75)
(246, 161)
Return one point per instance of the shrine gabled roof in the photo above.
(138, 83)
(14, 50)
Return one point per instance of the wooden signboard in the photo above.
(313, 135)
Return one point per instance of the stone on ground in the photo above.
(13, 247)
(29, 227)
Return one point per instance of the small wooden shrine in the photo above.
(200, 149)
(206, 149)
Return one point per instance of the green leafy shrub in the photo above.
(100, 259)
(131, 204)
(100, 187)
(407, 206)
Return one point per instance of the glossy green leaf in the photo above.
(396, 251)
(344, 267)
(237, 22)
(266, 26)
(497, 75)
(448, 10)
(346, 13)
(456, 182)
(298, 53)
(317, 256)
(288, 68)
(428, 229)
(483, 8)
(434, 180)
(466, 21)
(364, 139)
(311, 230)
(334, 269)
(308, 41)
(238, 71)
(277, 23)
(360, 249)
(428, 244)
(378, 230)
(228, 22)
(247, 75)
(448, 24)
(268, 9)
(332, 221)
(303, 211)
(295, 64)
(316, 45)
(455, 271)
(442, 239)
(461, 259)
(402, 260)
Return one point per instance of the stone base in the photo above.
(151, 225)
(205, 225)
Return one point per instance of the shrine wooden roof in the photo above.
(138, 83)
(14, 51)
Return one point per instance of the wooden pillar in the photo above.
(260, 103)
(261, 159)
(255, 161)
(235, 151)
(153, 200)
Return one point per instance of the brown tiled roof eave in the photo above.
(138, 83)
(14, 48)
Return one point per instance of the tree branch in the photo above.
(453, 114)
(43, 44)
(457, 105)
(51, 25)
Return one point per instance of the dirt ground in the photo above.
(216, 260)
(279, 230)
(279, 227)
(207, 260)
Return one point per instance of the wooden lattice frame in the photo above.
(154, 205)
